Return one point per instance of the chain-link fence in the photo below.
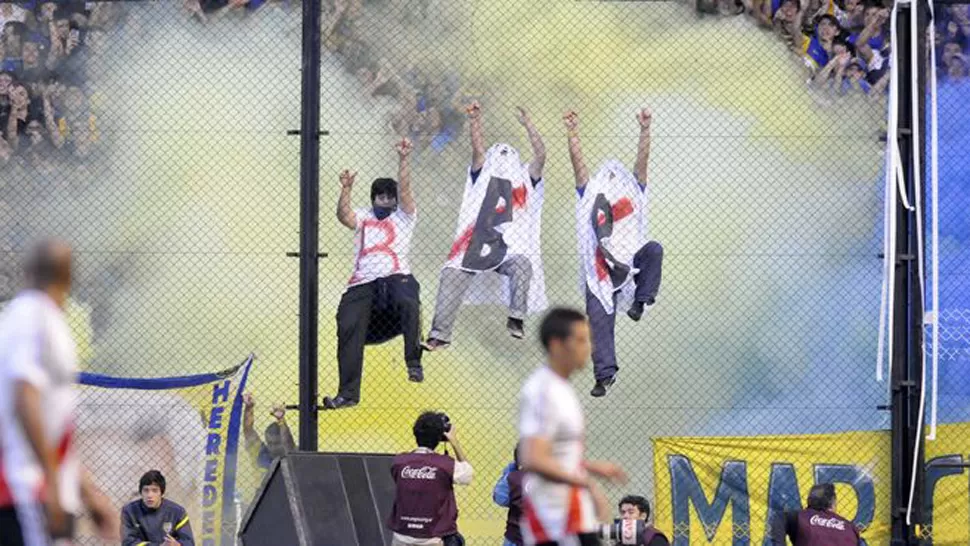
(155, 138)
(946, 459)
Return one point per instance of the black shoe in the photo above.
(602, 386)
(338, 402)
(516, 328)
(432, 344)
(636, 311)
(416, 374)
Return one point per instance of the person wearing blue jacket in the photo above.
(154, 520)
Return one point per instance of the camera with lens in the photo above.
(624, 531)
(446, 425)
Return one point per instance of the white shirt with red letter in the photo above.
(381, 246)
(550, 409)
(36, 347)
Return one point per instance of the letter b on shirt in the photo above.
(487, 248)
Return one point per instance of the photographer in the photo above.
(425, 512)
(817, 525)
(633, 528)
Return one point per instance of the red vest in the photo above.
(817, 528)
(424, 503)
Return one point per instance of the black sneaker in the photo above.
(416, 374)
(338, 402)
(636, 311)
(602, 386)
(431, 344)
(516, 328)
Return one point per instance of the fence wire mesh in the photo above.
(154, 137)
(952, 265)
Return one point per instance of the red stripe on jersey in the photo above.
(461, 244)
(535, 526)
(574, 522)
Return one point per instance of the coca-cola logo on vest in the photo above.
(830, 523)
(422, 473)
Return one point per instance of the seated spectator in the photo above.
(153, 519)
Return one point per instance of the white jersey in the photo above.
(381, 247)
(550, 409)
(611, 226)
(36, 347)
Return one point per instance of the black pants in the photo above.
(373, 313)
(649, 260)
(24, 526)
(584, 540)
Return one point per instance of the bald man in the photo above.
(43, 486)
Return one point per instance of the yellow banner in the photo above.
(726, 490)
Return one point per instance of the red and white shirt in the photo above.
(381, 247)
(36, 347)
(550, 409)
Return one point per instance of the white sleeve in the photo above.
(463, 473)
(24, 360)
(535, 416)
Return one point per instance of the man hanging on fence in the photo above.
(498, 231)
(382, 300)
(621, 269)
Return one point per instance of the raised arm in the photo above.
(404, 148)
(474, 112)
(538, 146)
(645, 118)
(345, 214)
(575, 149)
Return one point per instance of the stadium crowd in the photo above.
(50, 58)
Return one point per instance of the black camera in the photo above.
(445, 425)
(624, 531)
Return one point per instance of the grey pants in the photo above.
(454, 283)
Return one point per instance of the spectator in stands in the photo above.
(852, 78)
(64, 56)
(951, 48)
(34, 69)
(13, 42)
(786, 19)
(956, 68)
(16, 122)
(508, 493)
(838, 61)
(635, 507)
(11, 12)
(78, 126)
(850, 13)
(820, 47)
(153, 519)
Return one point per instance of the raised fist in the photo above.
(474, 110)
(347, 178)
(249, 401)
(571, 119)
(645, 117)
(523, 116)
(404, 148)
